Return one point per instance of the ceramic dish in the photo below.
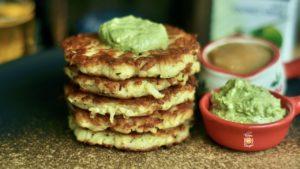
(249, 137)
(271, 76)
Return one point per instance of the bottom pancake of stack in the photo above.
(132, 141)
(143, 133)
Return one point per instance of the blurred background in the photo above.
(30, 26)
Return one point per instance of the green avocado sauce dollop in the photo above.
(134, 34)
(241, 102)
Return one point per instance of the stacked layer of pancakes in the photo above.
(127, 100)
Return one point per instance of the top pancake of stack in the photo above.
(87, 54)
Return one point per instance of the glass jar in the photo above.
(17, 29)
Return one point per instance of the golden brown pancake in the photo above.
(128, 107)
(92, 56)
(129, 88)
(132, 141)
(159, 120)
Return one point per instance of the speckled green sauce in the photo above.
(239, 101)
(134, 34)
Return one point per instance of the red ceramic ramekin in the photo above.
(249, 137)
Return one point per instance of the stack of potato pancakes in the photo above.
(131, 101)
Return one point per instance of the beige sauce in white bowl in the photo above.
(240, 58)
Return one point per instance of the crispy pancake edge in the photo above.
(152, 123)
(124, 88)
(134, 107)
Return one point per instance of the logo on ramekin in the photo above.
(248, 139)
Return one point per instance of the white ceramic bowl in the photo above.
(271, 76)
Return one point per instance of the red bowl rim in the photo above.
(288, 118)
(275, 58)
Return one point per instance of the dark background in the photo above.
(60, 18)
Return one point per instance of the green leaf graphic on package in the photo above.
(270, 33)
